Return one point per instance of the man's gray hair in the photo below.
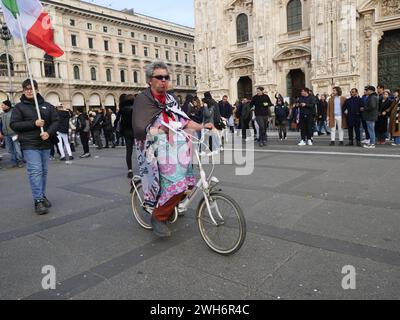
(154, 66)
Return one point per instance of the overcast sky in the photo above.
(177, 11)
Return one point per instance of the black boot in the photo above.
(40, 208)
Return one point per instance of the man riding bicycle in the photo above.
(164, 158)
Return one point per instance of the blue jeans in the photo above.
(371, 131)
(322, 125)
(397, 140)
(37, 162)
(14, 149)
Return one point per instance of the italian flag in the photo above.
(36, 24)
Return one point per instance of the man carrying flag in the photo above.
(35, 24)
(35, 136)
(28, 22)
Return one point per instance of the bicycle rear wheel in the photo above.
(228, 235)
(139, 213)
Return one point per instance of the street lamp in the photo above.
(6, 36)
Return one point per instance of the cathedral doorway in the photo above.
(296, 80)
(245, 88)
(389, 60)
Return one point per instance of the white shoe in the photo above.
(395, 145)
(309, 143)
(302, 143)
(366, 141)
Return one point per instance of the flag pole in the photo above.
(10, 86)
(29, 70)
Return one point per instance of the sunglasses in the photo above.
(161, 78)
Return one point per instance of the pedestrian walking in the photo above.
(62, 134)
(261, 103)
(83, 128)
(35, 144)
(10, 136)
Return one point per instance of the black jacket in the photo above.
(23, 122)
(370, 112)
(98, 121)
(309, 109)
(125, 116)
(262, 104)
(83, 121)
(63, 123)
(217, 115)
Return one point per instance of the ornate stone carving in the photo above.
(390, 7)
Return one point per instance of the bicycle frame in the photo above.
(204, 185)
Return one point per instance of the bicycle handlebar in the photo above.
(179, 130)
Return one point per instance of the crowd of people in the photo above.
(371, 119)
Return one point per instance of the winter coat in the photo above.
(309, 109)
(370, 112)
(262, 105)
(395, 118)
(5, 119)
(63, 123)
(23, 123)
(331, 112)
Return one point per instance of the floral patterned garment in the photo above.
(165, 165)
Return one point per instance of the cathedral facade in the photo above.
(284, 45)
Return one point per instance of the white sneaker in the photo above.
(366, 141)
(309, 143)
(369, 146)
(302, 143)
(395, 145)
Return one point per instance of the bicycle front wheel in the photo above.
(227, 234)
(138, 210)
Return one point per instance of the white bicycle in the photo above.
(219, 217)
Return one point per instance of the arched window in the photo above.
(135, 77)
(108, 75)
(3, 65)
(242, 28)
(122, 76)
(294, 16)
(93, 75)
(49, 68)
(76, 73)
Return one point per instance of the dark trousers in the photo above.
(262, 122)
(97, 138)
(129, 149)
(306, 127)
(109, 136)
(245, 124)
(282, 125)
(355, 126)
(85, 141)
